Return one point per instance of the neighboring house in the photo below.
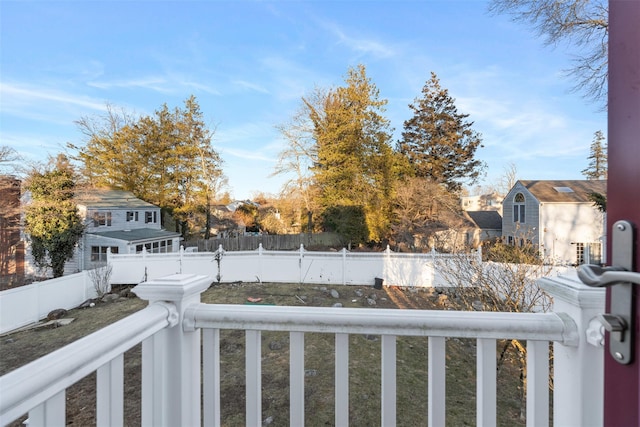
(115, 221)
(222, 222)
(120, 222)
(558, 217)
(483, 202)
(487, 226)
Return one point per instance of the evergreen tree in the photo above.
(166, 159)
(355, 161)
(597, 168)
(438, 141)
(51, 218)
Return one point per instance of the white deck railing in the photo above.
(170, 330)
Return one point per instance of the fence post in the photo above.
(578, 371)
(260, 249)
(386, 265)
(301, 262)
(171, 357)
(344, 266)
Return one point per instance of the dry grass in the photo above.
(20, 348)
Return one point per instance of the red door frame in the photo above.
(622, 382)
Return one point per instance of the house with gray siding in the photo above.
(559, 217)
(115, 221)
(119, 222)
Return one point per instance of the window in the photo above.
(595, 253)
(588, 253)
(150, 217)
(563, 189)
(101, 219)
(132, 216)
(579, 253)
(518, 208)
(99, 253)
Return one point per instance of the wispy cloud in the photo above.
(250, 86)
(16, 94)
(363, 45)
(168, 85)
(157, 84)
(247, 154)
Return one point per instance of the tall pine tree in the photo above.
(354, 167)
(438, 141)
(166, 159)
(597, 168)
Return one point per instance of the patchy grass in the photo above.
(22, 347)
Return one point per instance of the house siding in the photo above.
(119, 219)
(555, 221)
(527, 230)
(563, 225)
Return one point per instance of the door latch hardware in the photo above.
(621, 278)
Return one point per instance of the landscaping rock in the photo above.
(477, 305)
(110, 297)
(275, 345)
(338, 304)
(56, 314)
(335, 294)
(126, 293)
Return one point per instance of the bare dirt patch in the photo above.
(19, 348)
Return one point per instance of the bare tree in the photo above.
(508, 178)
(581, 23)
(300, 155)
(501, 285)
(426, 215)
(100, 276)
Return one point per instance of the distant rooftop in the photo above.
(486, 220)
(114, 199)
(565, 191)
(138, 234)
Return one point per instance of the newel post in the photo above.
(578, 371)
(171, 358)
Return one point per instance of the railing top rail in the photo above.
(461, 324)
(41, 379)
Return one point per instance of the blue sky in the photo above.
(249, 62)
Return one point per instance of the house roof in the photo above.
(112, 199)
(486, 220)
(138, 234)
(565, 191)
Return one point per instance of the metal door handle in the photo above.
(621, 279)
(599, 277)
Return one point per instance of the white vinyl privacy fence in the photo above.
(331, 268)
(28, 304)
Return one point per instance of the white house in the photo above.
(559, 217)
(114, 220)
(482, 202)
(119, 221)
